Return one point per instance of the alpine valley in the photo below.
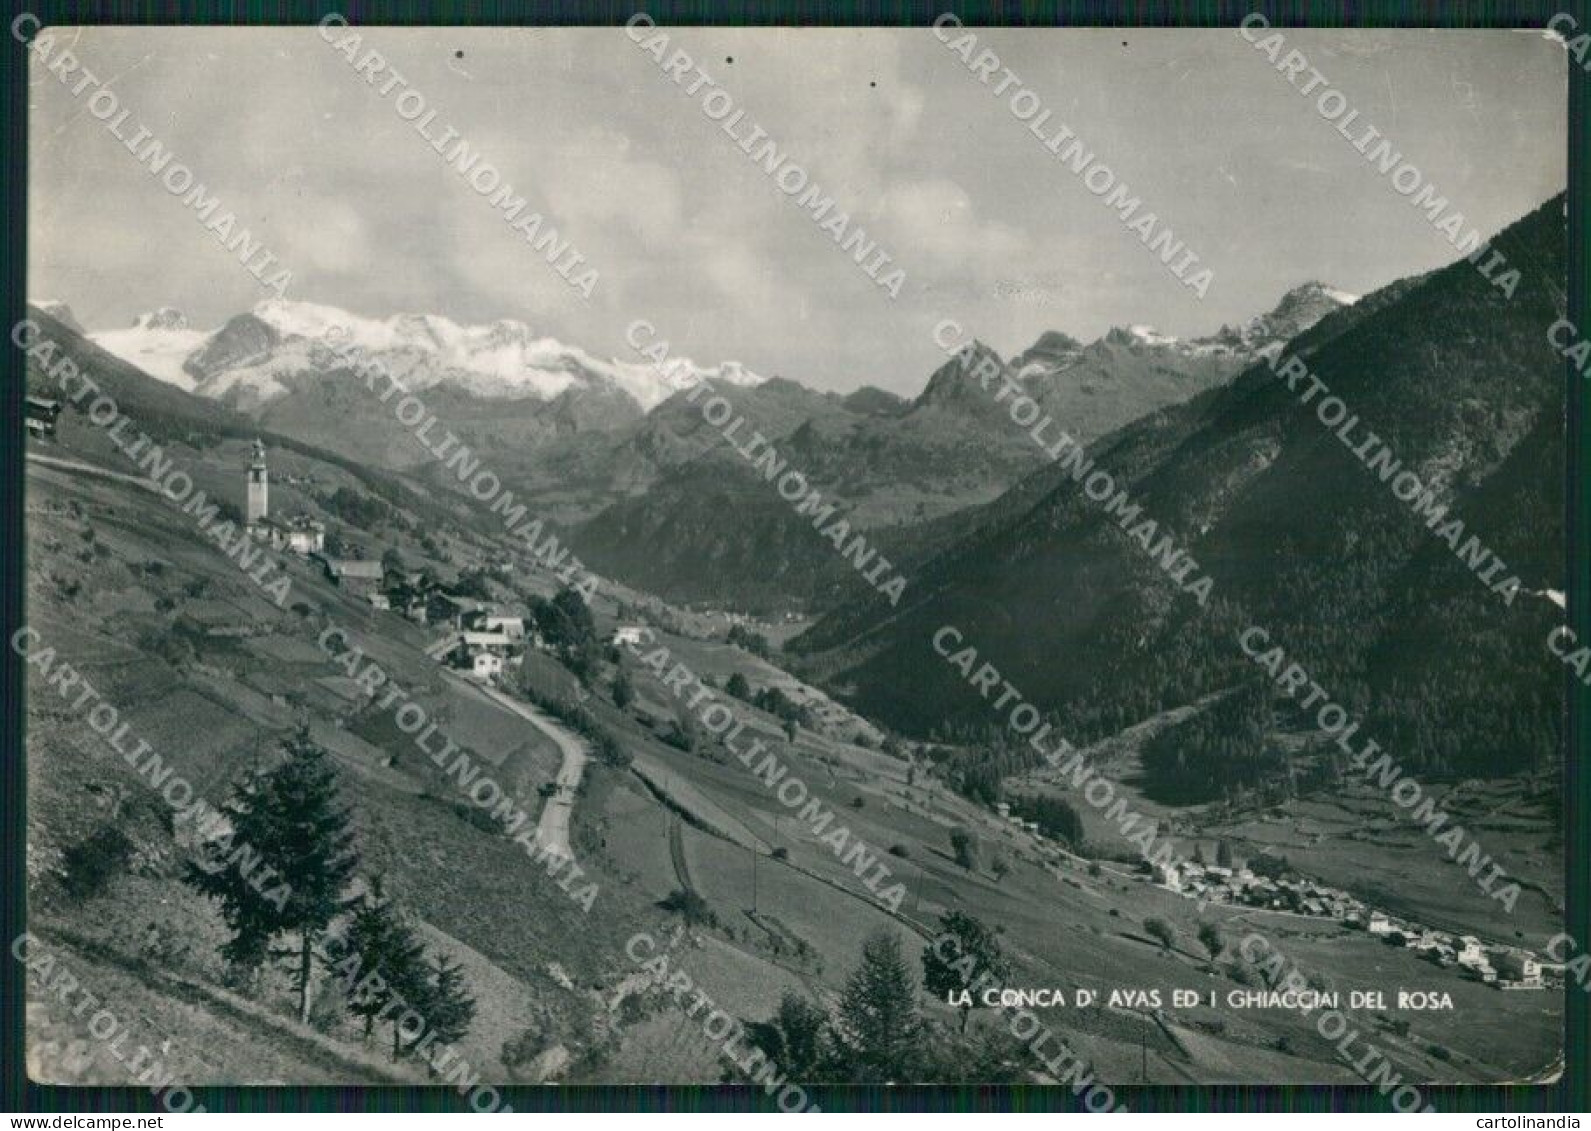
(731, 758)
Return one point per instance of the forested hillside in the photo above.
(1297, 535)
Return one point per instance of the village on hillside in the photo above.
(479, 639)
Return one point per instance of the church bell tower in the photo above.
(259, 486)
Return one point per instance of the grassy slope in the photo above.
(202, 714)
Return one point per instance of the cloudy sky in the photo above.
(684, 231)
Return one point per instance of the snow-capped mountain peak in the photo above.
(1316, 289)
(158, 342)
(258, 357)
(1295, 312)
(504, 359)
(166, 318)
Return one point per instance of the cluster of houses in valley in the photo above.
(1216, 883)
(1506, 967)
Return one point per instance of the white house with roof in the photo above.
(1518, 967)
(498, 643)
(485, 665)
(511, 627)
(483, 654)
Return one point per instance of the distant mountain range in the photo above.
(271, 352)
(614, 450)
(710, 531)
(280, 347)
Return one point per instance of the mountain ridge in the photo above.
(904, 477)
(1301, 538)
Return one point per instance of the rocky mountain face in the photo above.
(913, 476)
(1134, 370)
(1300, 309)
(244, 341)
(1296, 534)
(1053, 352)
(576, 475)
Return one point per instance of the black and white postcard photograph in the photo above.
(792, 560)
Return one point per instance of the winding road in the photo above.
(552, 832)
(676, 851)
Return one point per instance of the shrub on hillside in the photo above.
(679, 737)
(1210, 937)
(610, 750)
(603, 744)
(476, 816)
(782, 707)
(752, 642)
(356, 509)
(692, 906)
(472, 583)
(89, 865)
(965, 846)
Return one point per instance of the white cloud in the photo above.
(936, 220)
(594, 178)
(321, 234)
